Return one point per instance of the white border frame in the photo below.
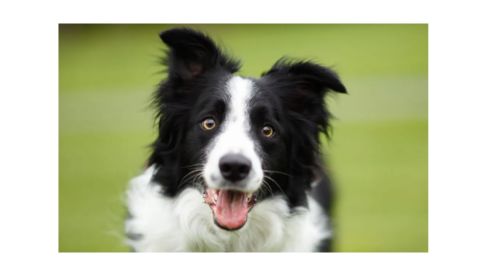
(29, 108)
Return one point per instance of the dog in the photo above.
(237, 164)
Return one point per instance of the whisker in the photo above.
(193, 165)
(275, 182)
(267, 187)
(189, 175)
(276, 172)
(198, 179)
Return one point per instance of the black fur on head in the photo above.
(301, 86)
(192, 60)
(191, 54)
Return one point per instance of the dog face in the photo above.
(238, 140)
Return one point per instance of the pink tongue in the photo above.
(231, 209)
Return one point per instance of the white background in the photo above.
(29, 143)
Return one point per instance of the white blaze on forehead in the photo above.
(240, 91)
(234, 136)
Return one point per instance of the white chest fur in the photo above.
(185, 223)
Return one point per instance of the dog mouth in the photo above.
(229, 207)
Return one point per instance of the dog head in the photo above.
(238, 140)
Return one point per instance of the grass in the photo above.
(380, 169)
(378, 152)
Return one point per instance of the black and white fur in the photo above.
(285, 174)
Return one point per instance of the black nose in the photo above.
(234, 167)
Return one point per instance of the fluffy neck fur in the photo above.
(184, 223)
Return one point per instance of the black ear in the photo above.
(192, 53)
(303, 86)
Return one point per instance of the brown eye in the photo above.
(268, 131)
(208, 124)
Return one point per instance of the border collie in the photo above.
(236, 165)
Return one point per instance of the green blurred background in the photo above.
(378, 152)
